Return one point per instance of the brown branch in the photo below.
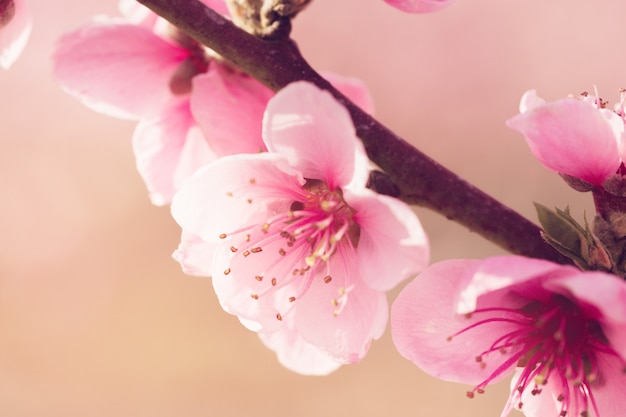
(421, 180)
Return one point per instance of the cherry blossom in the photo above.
(296, 245)
(579, 137)
(191, 106)
(15, 27)
(561, 332)
(419, 6)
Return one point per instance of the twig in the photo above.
(421, 180)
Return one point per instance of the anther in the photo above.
(233, 249)
(229, 194)
(282, 252)
(246, 253)
(259, 278)
(470, 394)
(255, 296)
(256, 250)
(274, 282)
(327, 279)
(223, 236)
(227, 271)
(252, 181)
(292, 299)
(278, 316)
(249, 200)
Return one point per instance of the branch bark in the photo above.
(421, 180)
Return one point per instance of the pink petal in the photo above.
(194, 255)
(419, 6)
(573, 137)
(530, 100)
(169, 148)
(315, 133)
(344, 331)
(253, 181)
(229, 108)
(117, 68)
(354, 89)
(14, 33)
(298, 355)
(392, 244)
(609, 392)
(257, 301)
(500, 272)
(423, 318)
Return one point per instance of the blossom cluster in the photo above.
(270, 190)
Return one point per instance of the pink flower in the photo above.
(579, 137)
(419, 6)
(15, 26)
(191, 107)
(561, 331)
(297, 247)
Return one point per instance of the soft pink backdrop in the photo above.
(97, 320)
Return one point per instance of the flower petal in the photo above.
(342, 316)
(501, 272)
(298, 355)
(194, 255)
(354, 89)
(572, 137)
(315, 133)
(117, 68)
(423, 320)
(392, 245)
(419, 6)
(235, 189)
(229, 108)
(169, 148)
(15, 33)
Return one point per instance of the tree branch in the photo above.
(421, 180)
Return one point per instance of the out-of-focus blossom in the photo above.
(141, 68)
(419, 6)
(297, 247)
(15, 27)
(191, 106)
(562, 332)
(578, 137)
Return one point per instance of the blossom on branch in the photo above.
(15, 27)
(192, 106)
(296, 245)
(419, 6)
(579, 137)
(561, 331)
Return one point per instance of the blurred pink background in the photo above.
(97, 320)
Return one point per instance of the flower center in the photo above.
(316, 226)
(550, 341)
(196, 63)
